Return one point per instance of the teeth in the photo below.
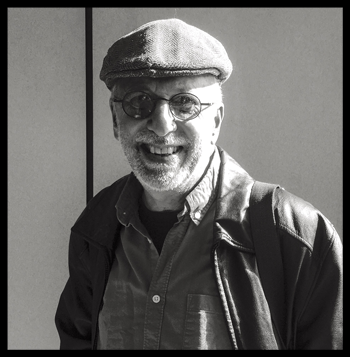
(163, 151)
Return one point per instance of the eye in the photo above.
(142, 97)
(184, 102)
(137, 99)
(185, 106)
(138, 105)
(184, 99)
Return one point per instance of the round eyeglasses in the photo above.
(183, 106)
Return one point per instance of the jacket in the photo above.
(311, 252)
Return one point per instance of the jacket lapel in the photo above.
(240, 288)
(232, 214)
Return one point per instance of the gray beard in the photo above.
(161, 177)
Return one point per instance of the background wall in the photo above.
(283, 124)
(283, 102)
(46, 164)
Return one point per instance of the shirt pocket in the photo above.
(205, 324)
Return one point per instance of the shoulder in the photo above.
(108, 193)
(105, 198)
(99, 214)
(302, 221)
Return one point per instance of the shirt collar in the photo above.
(197, 201)
(201, 197)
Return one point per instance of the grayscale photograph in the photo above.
(175, 178)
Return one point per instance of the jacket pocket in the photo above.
(205, 324)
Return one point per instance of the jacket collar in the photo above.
(232, 211)
(98, 223)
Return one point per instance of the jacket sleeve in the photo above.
(320, 323)
(313, 275)
(73, 315)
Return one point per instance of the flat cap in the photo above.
(165, 48)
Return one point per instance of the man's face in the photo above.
(165, 153)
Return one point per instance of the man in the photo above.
(164, 258)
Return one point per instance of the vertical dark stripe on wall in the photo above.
(89, 104)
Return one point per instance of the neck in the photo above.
(163, 201)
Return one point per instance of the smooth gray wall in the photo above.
(283, 124)
(46, 164)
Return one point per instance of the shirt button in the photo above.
(197, 215)
(156, 299)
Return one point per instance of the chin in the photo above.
(162, 181)
(176, 173)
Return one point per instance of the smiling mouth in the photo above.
(161, 151)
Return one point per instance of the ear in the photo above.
(217, 123)
(114, 117)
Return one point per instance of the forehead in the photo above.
(168, 85)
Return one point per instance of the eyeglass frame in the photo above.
(161, 98)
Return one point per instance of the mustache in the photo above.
(153, 139)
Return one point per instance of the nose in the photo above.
(161, 121)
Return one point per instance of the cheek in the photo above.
(202, 132)
(128, 128)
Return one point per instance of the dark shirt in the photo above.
(157, 223)
(166, 301)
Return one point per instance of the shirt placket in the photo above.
(156, 297)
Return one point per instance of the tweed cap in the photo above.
(165, 48)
